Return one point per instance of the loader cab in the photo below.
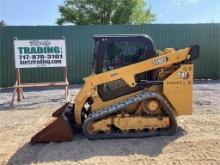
(115, 51)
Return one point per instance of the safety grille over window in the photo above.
(118, 54)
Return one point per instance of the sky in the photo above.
(45, 12)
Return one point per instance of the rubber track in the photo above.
(98, 115)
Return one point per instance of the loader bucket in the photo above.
(59, 111)
(59, 130)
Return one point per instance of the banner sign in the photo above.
(39, 53)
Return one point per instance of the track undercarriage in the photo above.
(115, 122)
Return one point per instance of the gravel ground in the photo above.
(196, 142)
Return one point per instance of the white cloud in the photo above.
(179, 3)
(192, 0)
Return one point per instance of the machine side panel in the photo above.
(178, 89)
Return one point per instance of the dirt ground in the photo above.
(197, 140)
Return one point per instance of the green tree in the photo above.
(2, 23)
(86, 12)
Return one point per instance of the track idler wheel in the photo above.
(60, 130)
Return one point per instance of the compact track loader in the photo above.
(135, 91)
